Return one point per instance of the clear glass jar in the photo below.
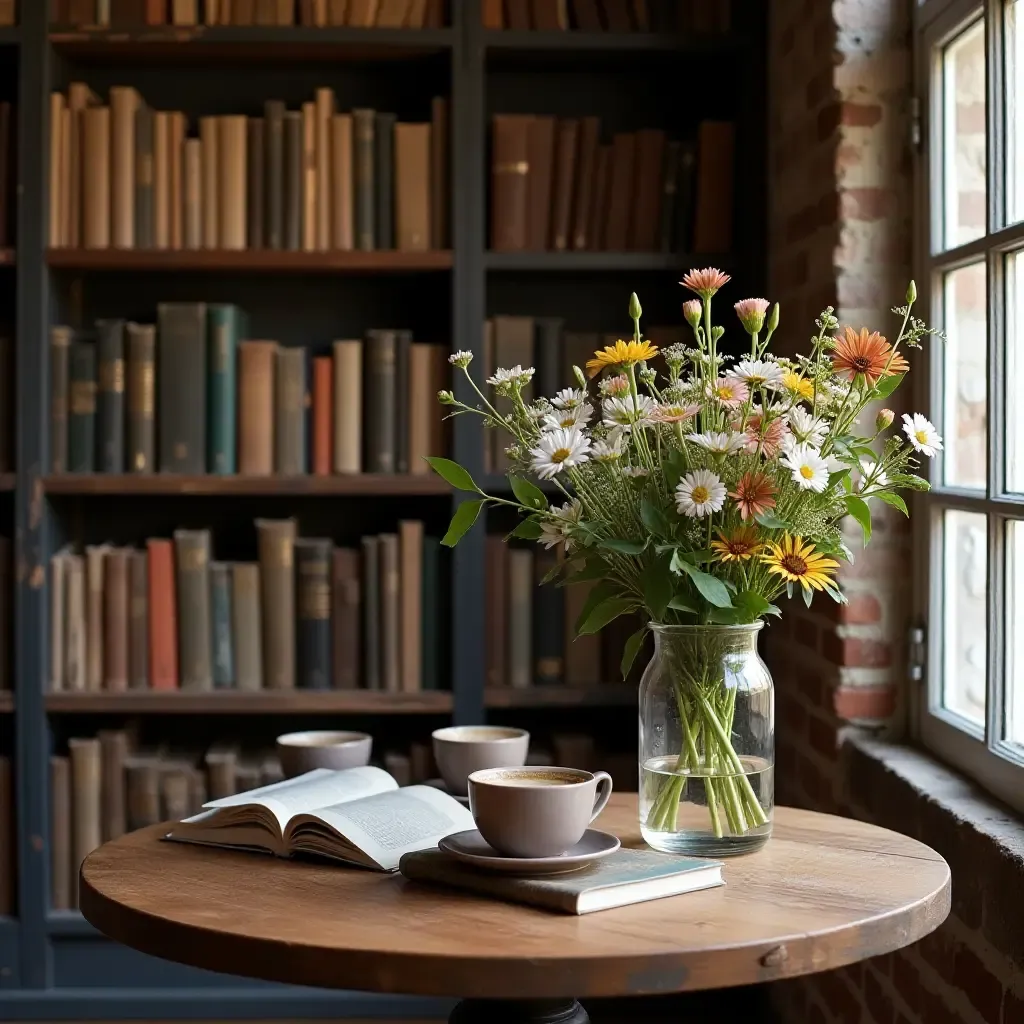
(707, 741)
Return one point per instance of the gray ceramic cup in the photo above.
(301, 752)
(460, 750)
(534, 811)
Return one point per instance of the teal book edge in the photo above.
(225, 328)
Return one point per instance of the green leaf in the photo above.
(604, 613)
(674, 466)
(858, 508)
(624, 547)
(887, 385)
(911, 480)
(701, 557)
(658, 586)
(458, 477)
(594, 568)
(725, 616)
(554, 572)
(654, 518)
(463, 520)
(631, 650)
(526, 493)
(893, 499)
(863, 451)
(712, 589)
(751, 605)
(770, 521)
(528, 529)
(597, 595)
(839, 474)
(681, 606)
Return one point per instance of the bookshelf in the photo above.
(58, 966)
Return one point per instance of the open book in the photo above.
(358, 816)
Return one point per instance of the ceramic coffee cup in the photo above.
(460, 750)
(301, 752)
(536, 812)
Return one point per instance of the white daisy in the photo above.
(569, 398)
(635, 472)
(869, 471)
(572, 416)
(922, 434)
(719, 442)
(622, 412)
(609, 449)
(558, 450)
(462, 358)
(699, 493)
(809, 469)
(806, 428)
(758, 373)
(516, 375)
(556, 531)
(536, 411)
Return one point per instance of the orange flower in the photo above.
(738, 546)
(754, 494)
(705, 282)
(867, 354)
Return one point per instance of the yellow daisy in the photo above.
(622, 353)
(796, 561)
(799, 386)
(738, 546)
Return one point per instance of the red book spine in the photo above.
(156, 12)
(323, 407)
(163, 617)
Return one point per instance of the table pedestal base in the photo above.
(495, 1011)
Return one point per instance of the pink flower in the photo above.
(674, 413)
(692, 311)
(615, 387)
(751, 313)
(730, 391)
(705, 282)
(768, 437)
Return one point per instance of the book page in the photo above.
(203, 828)
(389, 824)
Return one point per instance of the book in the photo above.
(309, 178)
(439, 183)
(115, 620)
(389, 586)
(79, 97)
(513, 346)
(57, 226)
(586, 163)
(392, 13)
(113, 809)
(548, 356)
(58, 574)
(255, 168)
(246, 626)
(162, 179)
(141, 430)
(209, 144)
(290, 411)
(564, 180)
(86, 823)
(617, 15)
(324, 110)
(520, 618)
(163, 616)
(712, 222)
(541, 143)
(550, 15)
(323, 413)
(647, 190)
(221, 762)
(364, 179)
(357, 816)
(138, 620)
(348, 406)
(7, 171)
(110, 396)
(182, 377)
(232, 181)
(273, 158)
(60, 833)
(94, 558)
(257, 363)
(431, 632)
(428, 374)
(345, 621)
(81, 407)
(379, 400)
(510, 167)
(517, 15)
(619, 880)
(403, 346)
(60, 345)
(493, 15)
(144, 210)
(371, 629)
(142, 785)
(124, 102)
(276, 541)
(410, 611)
(386, 155)
(548, 629)
(74, 628)
(495, 611)
(599, 205)
(669, 192)
(313, 569)
(192, 562)
(293, 181)
(620, 192)
(175, 154)
(412, 159)
(224, 329)
(341, 182)
(223, 654)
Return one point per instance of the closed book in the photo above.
(246, 626)
(113, 799)
(82, 407)
(96, 177)
(379, 401)
(620, 192)
(388, 157)
(144, 210)
(285, 12)
(182, 368)
(431, 633)
(548, 356)
(277, 581)
(341, 182)
(364, 179)
(142, 785)
(323, 414)
(257, 361)
(211, 12)
(362, 13)
(141, 429)
(564, 181)
(510, 168)
(243, 12)
(266, 12)
(647, 190)
(412, 162)
(273, 173)
(176, 154)
(539, 181)
(586, 179)
(669, 194)
(513, 346)
(403, 345)
(310, 198)
(517, 15)
(440, 158)
(625, 877)
(86, 820)
(617, 15)
(175, 791)
(390, 613)
(346, 629)
(548, 628)
(185, 12)
(124, 102)
(60, 345)
(58, 581)
(209, 145)
(80, 96)
(290, 412)
(293, 175)
(392, 13)
(75, 643)
(115, 620)
(192, 562)
(410, 626)
(550, 15)
(60, 833)
(138, 620)
(712, 222)
(224, 329)
(582, 653)
(220, 614)
(156, 12)
(192, 188)
(371, 612)
(428, 374)
(313, 568)
(496, 611)
(492, 14)
(337, 12)
(520, 618)
(59, 172)
(232, 183)
(324, 170)
(599, 206)
(221, 762)
(348, 406)
(162, 180)
(587, 16)
(110, 396)
(163, 616)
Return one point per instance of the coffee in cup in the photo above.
(460, 750)
(301, 752)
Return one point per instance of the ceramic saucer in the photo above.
(443, 786)
(470, 848)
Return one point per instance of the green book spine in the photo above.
(273, 117)
(192, 558)
(292, 195)
(110, 351)
(60, 344)
(141, 398)
(220, 610)
(431, 636)
(379, 401)
(181, 378)
(143, 177)
(290, 411)
(82, 407)
(384, 139)
(313, 558)
(365, 198)
(224, 329)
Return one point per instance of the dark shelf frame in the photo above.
(354, 485)
(609, 42)
(596, 262)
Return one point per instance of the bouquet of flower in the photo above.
(701, 491)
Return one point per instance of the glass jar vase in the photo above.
(707, 741)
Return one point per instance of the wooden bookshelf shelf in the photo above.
(608, 42)
(269, 261)
(6, 702)
(560, 696)
(264, 702)
(589, 262)
(354, 485)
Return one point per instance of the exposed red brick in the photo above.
(877, 999)
(828, 121)
(861, 115)
(868, 203)
(810, 686)
(792, 715)
(822, 737)
(806, 633)
(856, 652)
(864, 702)
(862, 610)
(978, 983)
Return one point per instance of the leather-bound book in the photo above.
(273, 173)
(620, 192)
(379, 401)
(82, 407)
(341, 182)
(59, 170)
(257, 362)
(221, 762)
(246, 628)
(548, 356)
(310, 198)
(182, 379)
(255, 167)
(124, 102)
(586, 15)
(517, 15)
(185, 12)
(211, 12)
(520, 618)
(345, 624)
(58, 583)
(417, 16)
(60, 834)
(496, 611)
(539, 181)
(493, 14)
(290, 412)
(113, 802)
(371, 594)
(586, 177)
(144, 211)
(412, 166)
(209, 145)
(439, 177)
(266, 12)
(390, 613)
(80, 96)
(669, 194)
(161, 180)
(364, 178)
(277, 580)
(337, 12)
(110, 397)
(403, 345)
(510, 169)
(192, 562)
(324, 171)
(75, 651)
(564, 182)
(548, 629)
(224, 329)
(348, 406)
(156, 12)
(115, 619)
(142, 786)
(220, 615)
(141, 439)
(392, 13)
(647, 190)
(434, 17)
(176, 153)
(323, 412)
(599, 206)
(293, 180)
(712, 224)
(96, 177)
(138, 620)
(428, 372)
(163, 616)
(617, 15)
(313, 568)
(583, 653)
(60, 345)
(243, 12)
(175, 791)
(410, 611)
(86, 783)
(231, 193)
(6, 612)
(549, 15)
(432, 633)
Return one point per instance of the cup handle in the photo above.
(604, 792)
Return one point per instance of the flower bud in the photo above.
(446, 398)
(883, 421)
(580, 378)
(716, 333)
(911, 293)
(751, 314)
(634, 307)
(773, 319)
(692, 311)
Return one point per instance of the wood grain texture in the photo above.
(368, 484)
(824, 892)
(260, 702)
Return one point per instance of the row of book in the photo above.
(556, 185)
(269, 13)
(189, 395)
(307, 614)
(125, 176)
(710, 16)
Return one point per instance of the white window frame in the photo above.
(981, 753)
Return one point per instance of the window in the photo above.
(970, 546)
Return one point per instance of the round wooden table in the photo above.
(824, 892)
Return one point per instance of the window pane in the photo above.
(1014, 110)
(964, 378)
(1015, 632)
(1014, 432)
(963, 157)
(964, 583)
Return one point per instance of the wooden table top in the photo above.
(823, 892)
